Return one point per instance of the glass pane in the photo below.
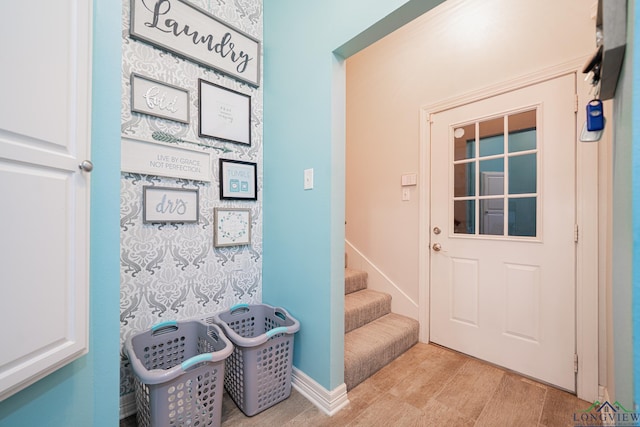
(492, 137)
(491, 177)
(522, 140)
(522, 174)
(522, 131)
(464, 216)
(464, 146)
(492, 217)
(522, 217)
(464, 180)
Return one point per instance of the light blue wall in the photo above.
(85, 392)
(626, 202)
(303, 265)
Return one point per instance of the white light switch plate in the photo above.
(308, 179)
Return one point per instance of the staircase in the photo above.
(374, 336)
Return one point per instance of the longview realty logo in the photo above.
(606, 414)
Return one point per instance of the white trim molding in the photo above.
(401, 303)
(328, 401)
(127, 405)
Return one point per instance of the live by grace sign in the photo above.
(188, 31)
(155, 158)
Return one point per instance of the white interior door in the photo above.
(45, 112)
(502, 230)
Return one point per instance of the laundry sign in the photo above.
(188, 31)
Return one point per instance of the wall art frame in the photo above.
(164, 159)
(238, 180)
(186, 30)
(170, 205)
(232, 227)
(224, 113)
(159, 99)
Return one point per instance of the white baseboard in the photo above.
(329, 402)
(127, 405)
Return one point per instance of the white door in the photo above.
(45, 115)
(502, 230)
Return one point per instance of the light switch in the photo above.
(409, 179)
(308, 179)
(406, 194)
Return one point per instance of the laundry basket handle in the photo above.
(276, 331)
(237, 307)
(162, 327)
(206, 357)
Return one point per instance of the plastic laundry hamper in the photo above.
(258, 373)
(179, 374)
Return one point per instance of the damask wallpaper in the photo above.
(173, 271)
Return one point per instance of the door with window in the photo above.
(502, 230)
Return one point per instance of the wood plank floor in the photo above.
(427, 386)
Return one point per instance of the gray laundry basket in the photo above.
(258, 373)
(179, 372)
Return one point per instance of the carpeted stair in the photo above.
(373, 335)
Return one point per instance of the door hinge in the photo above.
(575, 233)
(577, 104)
(430, 118)
(575, 363)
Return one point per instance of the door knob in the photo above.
(86, 166)
(437, 247)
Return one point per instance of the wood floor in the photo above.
(427, 386)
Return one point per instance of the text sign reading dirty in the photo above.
(188, 31)
(152, 158)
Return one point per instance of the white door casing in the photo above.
(509, 299)
(45, 112)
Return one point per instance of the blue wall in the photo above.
(303, 264)
(85, 392)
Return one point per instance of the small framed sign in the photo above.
(168, 204)
(232, 227)
(238, 180)
(159, 99)
(224, 113)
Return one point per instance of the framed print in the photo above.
(164, 159)
(159, 99)
(224, 113)
(168, 204)
(238, 180)
(182, 28)
(232, 227)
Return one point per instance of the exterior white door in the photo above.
(45, 112)
(502, 230)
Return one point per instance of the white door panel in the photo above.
(503, 195)
(44, 136)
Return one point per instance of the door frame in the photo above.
(587, 202)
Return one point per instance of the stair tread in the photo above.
(364, 306)
(354, 280)
(369, 348)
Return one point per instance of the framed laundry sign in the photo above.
(159, 99)
(168, 204)
(188, 31)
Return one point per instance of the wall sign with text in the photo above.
(167, 204)
(159, 99)
(155, 158)
(188, 31)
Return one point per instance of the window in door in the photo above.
(495, 165)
